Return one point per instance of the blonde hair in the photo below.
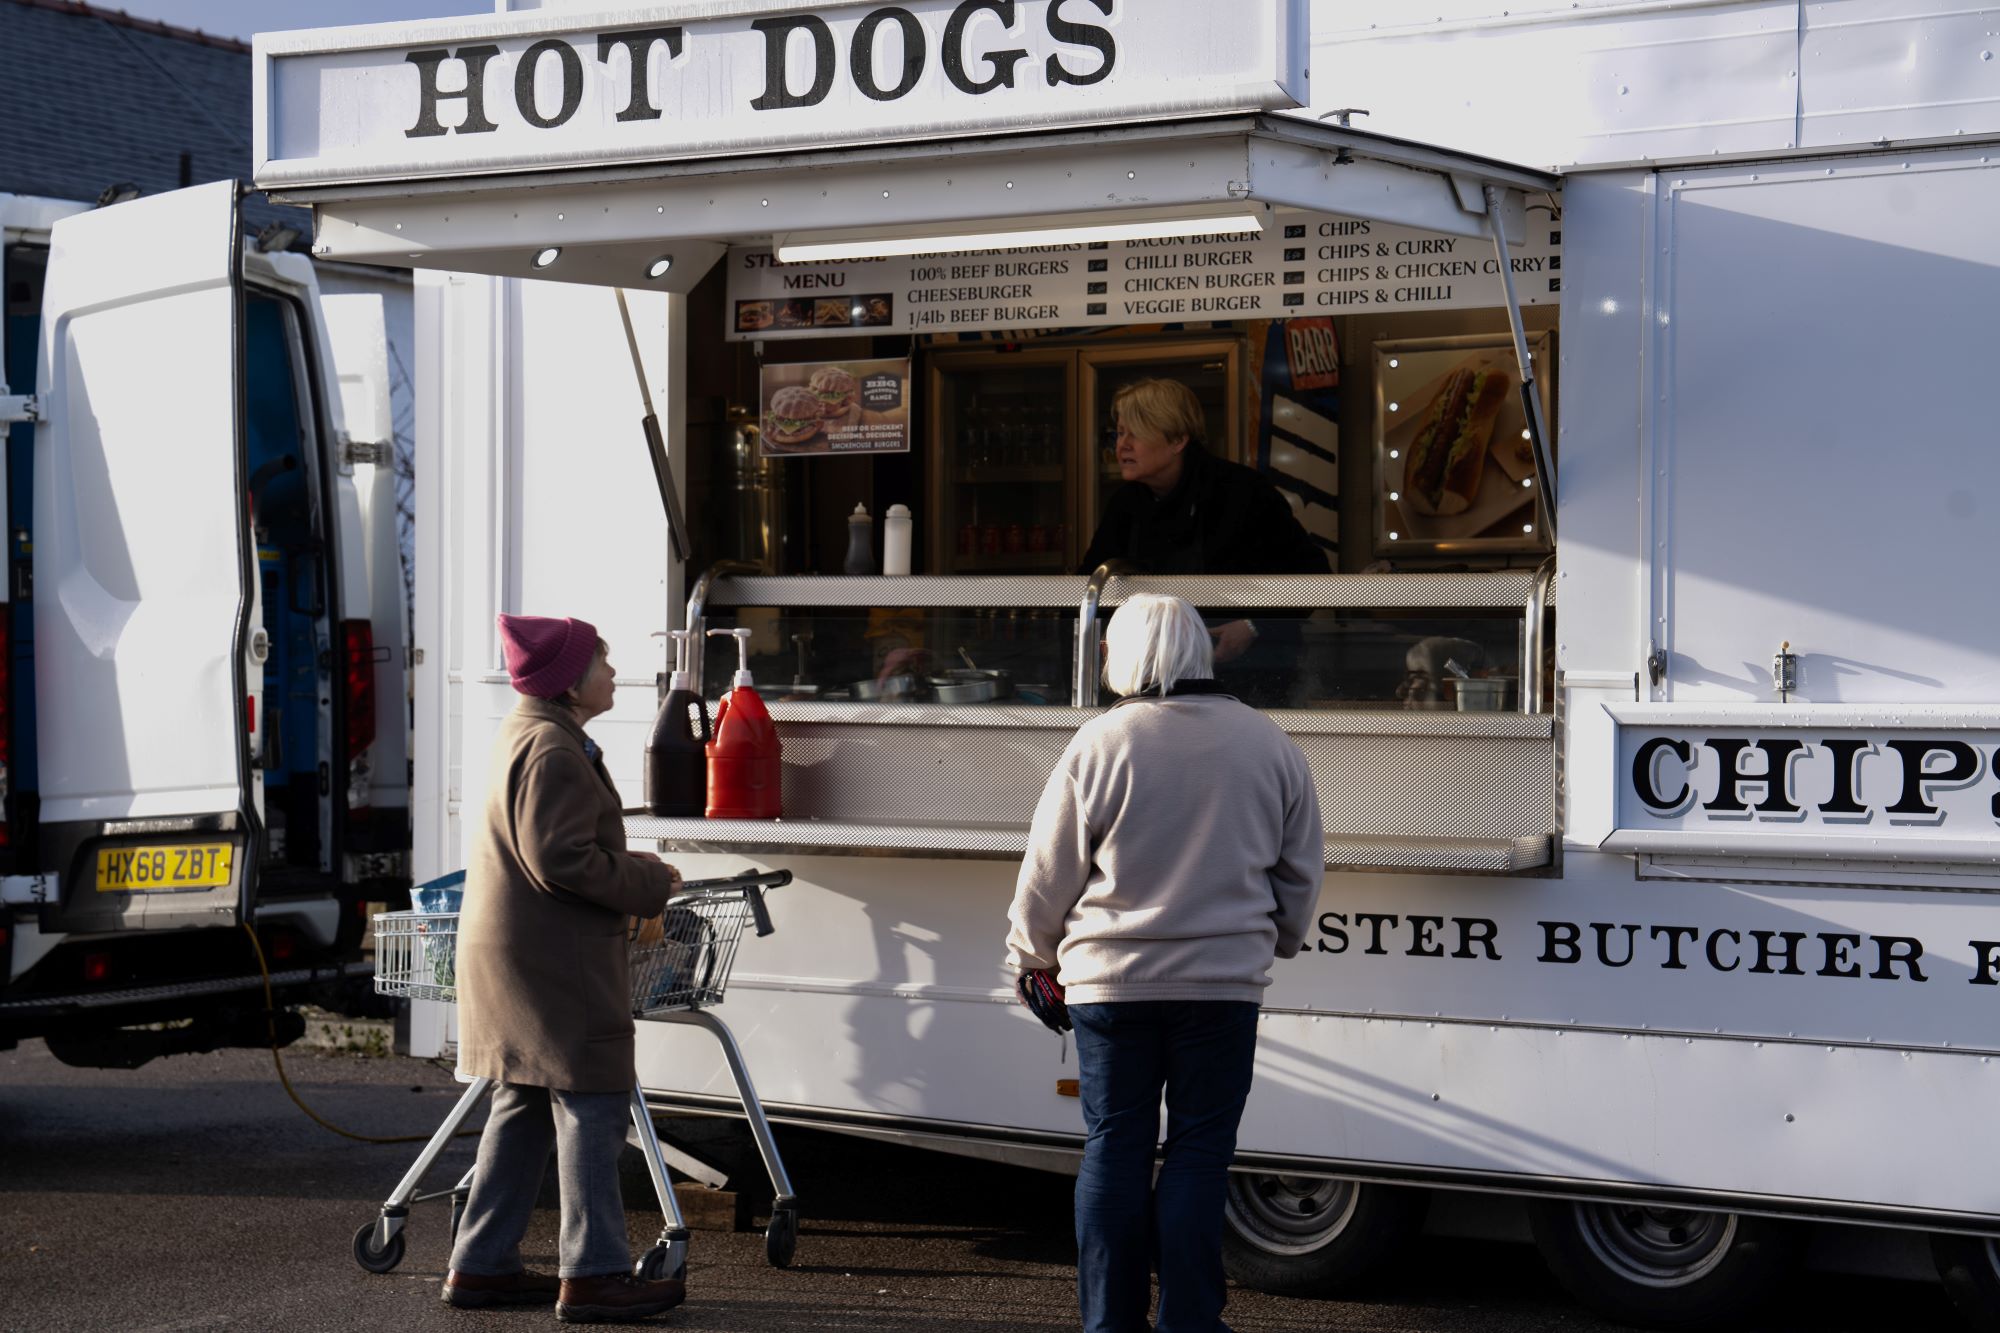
(1154, 642)
(1166, 408)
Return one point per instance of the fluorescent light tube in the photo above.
(804, 248)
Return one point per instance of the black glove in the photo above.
(1044, 999)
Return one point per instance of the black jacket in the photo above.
(1221, 518)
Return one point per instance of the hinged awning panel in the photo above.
(611, 223)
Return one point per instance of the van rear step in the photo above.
(56, 1006)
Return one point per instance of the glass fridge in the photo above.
(1023, 456)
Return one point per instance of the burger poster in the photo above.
(1454, 464)
(835, 407)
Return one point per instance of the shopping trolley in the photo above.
(680, 964)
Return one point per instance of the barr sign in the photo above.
(553, 89)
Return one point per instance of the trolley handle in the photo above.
(753, 884)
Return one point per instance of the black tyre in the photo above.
(781, 1238)
(662, 1261)
(1311, 1236)
(377, 1260)
(1663, 1267)
(1970, 1269)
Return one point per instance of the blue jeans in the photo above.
(1200, 1052)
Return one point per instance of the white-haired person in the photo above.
(1175, 852)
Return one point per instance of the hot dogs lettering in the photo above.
(984, 47)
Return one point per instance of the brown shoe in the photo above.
(474, 1291)
(616, 1298)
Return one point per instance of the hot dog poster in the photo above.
(835, 407)
(1454, 463)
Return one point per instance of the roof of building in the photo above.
(93, 97)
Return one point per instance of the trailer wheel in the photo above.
(1313, 1236)
(1662, 1267)
(1970, 1269)
(372, 1258)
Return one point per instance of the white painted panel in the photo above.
(1828, 358)
(585, 533)
(883, 991)
(1565, 85)
(139, 512)
(1898, 69)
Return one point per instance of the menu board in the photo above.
(835, 407)
(1303, 264)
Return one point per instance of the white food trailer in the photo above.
(1688, 939)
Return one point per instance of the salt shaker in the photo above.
(860, 542)
(896, 540)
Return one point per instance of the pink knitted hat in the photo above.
(546, 656)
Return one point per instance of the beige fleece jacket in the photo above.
(1175, 851)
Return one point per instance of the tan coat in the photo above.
(544, 996)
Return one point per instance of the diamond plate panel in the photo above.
(1478, 787)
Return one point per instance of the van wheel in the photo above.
(1662, 1267)
(1312, 1236)
(1970, 1269)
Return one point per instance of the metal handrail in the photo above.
(1532, 639)
(1084, 695)
(697, 610)
(1444, 590)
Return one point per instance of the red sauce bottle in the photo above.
(745, 775)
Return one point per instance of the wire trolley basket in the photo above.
(680, 959)
(680, 963)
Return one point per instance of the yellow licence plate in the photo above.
(192, 866)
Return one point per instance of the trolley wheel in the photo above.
(372, 1258)
(781, 1238)
(662, 1261)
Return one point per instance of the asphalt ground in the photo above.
(191, 1194)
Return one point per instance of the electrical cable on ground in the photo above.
(270, 1023)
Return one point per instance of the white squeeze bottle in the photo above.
(896, 540)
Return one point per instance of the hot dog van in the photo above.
(1659, 791)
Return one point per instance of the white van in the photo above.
(203, 712)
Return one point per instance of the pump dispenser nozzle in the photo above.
(742, 637)
(682, 677)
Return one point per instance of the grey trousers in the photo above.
(586, 1130)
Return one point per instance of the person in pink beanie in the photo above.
(544, 991)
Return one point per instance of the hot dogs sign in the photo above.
(554, 88)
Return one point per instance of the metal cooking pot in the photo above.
(971, 686)
(889, 689)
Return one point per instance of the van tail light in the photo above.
(358, 642)
(359, 639)
(250, 713)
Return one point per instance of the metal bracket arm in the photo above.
(1531, 398)
(18, 407)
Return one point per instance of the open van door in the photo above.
(145, 658)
